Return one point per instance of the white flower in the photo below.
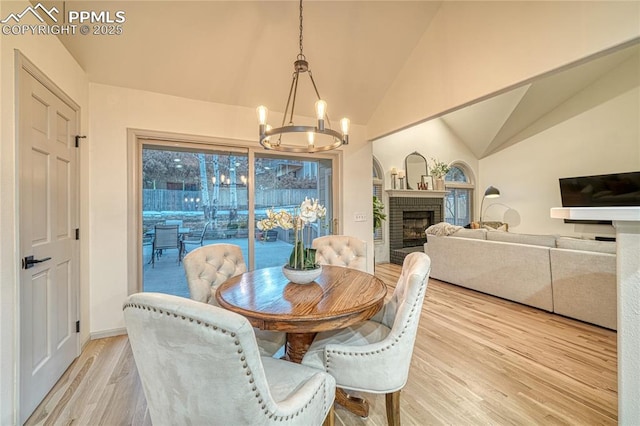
(310, 210)
(284, 220)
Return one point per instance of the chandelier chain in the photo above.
(301, 54)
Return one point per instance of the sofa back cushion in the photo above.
(532, 240)
(476, 234)
(586, 245)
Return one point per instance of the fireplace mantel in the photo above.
(415, 193)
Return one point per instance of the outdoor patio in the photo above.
(167, 275)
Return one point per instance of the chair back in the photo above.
(402, 313)
(199, 364)
(209, 266)
(341, 250)
(166, 237)
(178, 222)
(204, 231)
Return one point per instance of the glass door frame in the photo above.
(136, 138)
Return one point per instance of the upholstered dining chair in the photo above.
(374, 356)
(341, 250)
(199, 364)
(209, 266)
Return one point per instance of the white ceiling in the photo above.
(242, 53)
(505, 119)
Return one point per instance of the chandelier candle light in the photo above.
(266, 131)
(302, 267)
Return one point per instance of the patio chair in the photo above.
(166, 237)
(195, 240)
(199, 364)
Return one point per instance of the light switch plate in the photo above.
(360, 217)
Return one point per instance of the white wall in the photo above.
(595, 132)
(473, 49)
(48, 54)
(432, 139)
(113, 110)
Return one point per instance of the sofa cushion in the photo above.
(532, 240)
(584, 286)
(521, 273)
(477, 234)
(586, 245)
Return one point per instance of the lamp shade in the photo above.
(492, 192)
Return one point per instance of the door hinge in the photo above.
(77, 326)
(78, 137)
(77, 233)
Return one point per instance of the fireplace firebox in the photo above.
(413, 226)
(410, 213)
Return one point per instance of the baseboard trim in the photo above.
(108, 333)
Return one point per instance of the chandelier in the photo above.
(271, 138)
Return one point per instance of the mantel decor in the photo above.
(302, 267)
(438, 170)
(322, 129)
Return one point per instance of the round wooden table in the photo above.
(338, 298)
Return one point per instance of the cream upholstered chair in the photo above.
(209, 266)
(374, 356)
(341, 250)
(200, 364)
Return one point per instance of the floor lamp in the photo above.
(491, 192)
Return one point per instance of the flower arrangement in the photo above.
(309, 211)
(438, 169)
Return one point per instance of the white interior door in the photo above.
(48, 220)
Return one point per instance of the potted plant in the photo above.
(302, 267)
(378, 213)
(438, 170)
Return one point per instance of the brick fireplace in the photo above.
(410, 213)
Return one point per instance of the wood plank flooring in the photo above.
(477, 360)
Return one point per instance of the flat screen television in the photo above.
(611, 190)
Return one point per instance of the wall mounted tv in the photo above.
(612, 190)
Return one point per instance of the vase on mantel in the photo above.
(439, 184)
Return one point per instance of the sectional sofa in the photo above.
(569, 276)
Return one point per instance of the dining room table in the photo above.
(338, 298)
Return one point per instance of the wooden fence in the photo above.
(178, 200)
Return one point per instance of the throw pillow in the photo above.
(442, 229)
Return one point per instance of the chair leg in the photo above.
(393, 408)
(330, 419)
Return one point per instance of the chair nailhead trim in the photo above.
(244, 365)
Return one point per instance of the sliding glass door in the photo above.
(282, 183)
(190, 198)
(195, 194)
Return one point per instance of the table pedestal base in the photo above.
(297, 345)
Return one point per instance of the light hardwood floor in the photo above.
(477, 360)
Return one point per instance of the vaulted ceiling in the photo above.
(242, 53)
